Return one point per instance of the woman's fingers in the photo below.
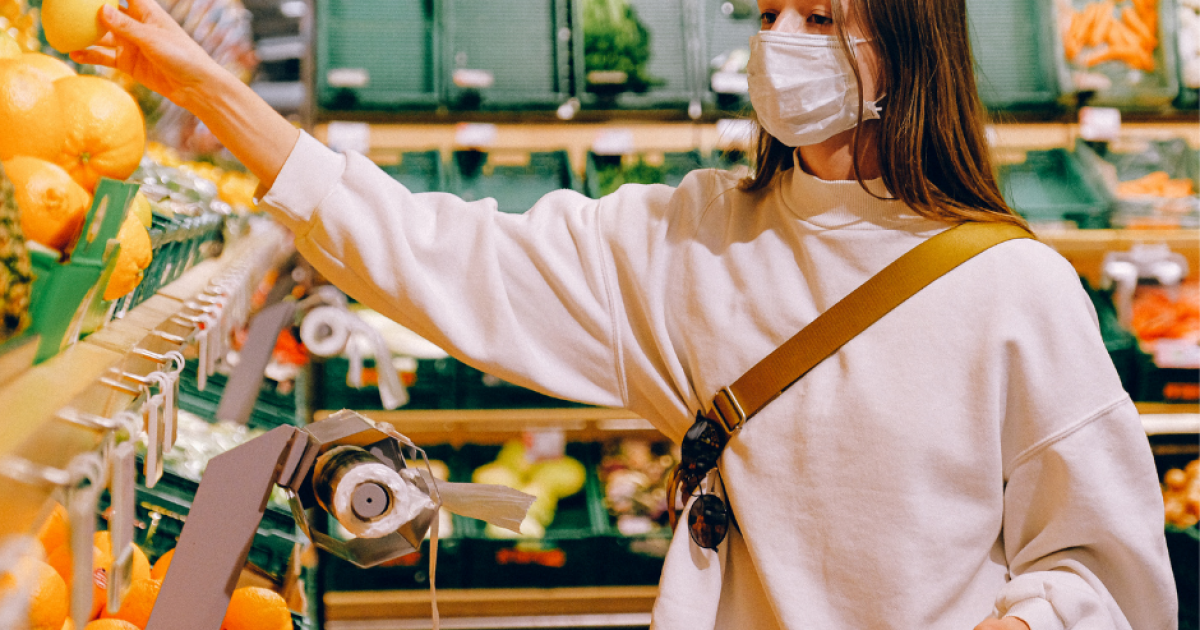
(123, 25)
(96, 57)
(108, 41)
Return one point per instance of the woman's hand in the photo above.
(146, 43)
(1007, 623)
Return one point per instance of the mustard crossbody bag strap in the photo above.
(899, 281)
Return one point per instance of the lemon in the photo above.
(141, 209)
(9, 48)
(72, 25)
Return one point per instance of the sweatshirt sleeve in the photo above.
(525, 297)
(1083, 524)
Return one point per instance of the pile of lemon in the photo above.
(59, 134)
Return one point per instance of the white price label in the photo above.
(475, 135)
(1099, 124)
(545, 445)
(613, 142)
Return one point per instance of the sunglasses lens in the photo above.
(708, 521)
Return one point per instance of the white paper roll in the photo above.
(325, 330)
(406, 501)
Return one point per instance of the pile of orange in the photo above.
(250, 608)
(59, 134)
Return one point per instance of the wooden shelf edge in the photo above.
(363, 605)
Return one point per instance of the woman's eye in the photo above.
(767, 18)
(820, 20)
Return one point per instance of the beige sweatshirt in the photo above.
(972, 454)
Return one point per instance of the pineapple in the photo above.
(16, 274)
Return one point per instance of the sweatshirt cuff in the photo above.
(309, 174)
(1037, 613)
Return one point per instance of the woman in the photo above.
(970, 461)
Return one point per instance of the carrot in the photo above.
(1072, 38)
(1122, 36)
(1101, 25)
(1134, 21)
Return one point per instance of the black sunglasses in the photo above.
(708, 520)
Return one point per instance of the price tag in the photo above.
(152, 414)
(613, 142)
(545, 445)
(475, 135)
(473, 79)
(122, 481)
(1099, 124)
(81, 514)
(348, 136)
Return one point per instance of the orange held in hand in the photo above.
(255, 608)
(52, 206)
(30, 114)
(105, 132)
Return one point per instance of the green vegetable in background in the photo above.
(615, 41)
(613, 177)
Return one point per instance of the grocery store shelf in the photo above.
(591, 607)
(47, 406)
(1170, 419)
(1086, 248)
(456, 426)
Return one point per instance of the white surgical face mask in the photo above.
(802, 87)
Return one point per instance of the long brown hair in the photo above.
(932, 146)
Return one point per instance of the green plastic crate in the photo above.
(1014, 45)
(419, 171)
(378, 54)
(515, 187)
(1052, 187)
(568, 555)
(1133, 89)
(674, 69)
(1174, 157)
(523, 45)
(435, 386)
(1122, 346)
(271, 409)
(605, 173)
(1183, 547)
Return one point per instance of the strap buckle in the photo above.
(728, 410)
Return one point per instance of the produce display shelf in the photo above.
(1086, 248)
(596, 607)
(36, 429)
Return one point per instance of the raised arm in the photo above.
(146, 43)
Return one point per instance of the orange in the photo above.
(141, 564)
(30, 113)
(256, 608)
(134, 256)
(159, 571)
(110, 624)
(54, 68)
(52, 205)
(9, 48)
(48, 603)
(68, 624)
(101, 561)
(138, 603)
(105, 132)
(55, 530)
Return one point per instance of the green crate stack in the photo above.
(419, 171)
(272, 408)
(516, 188)
(1122, 346)
(1183, 547)
(1134, 89)
(568, 555)
(435, 386)
(1014, 45)
(411, 571)
(524, 45)
(378, 54)
(672, 70)
(1053, 187)
(728, 27)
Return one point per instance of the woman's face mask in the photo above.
(802, 87)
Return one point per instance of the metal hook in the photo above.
(119, 386)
